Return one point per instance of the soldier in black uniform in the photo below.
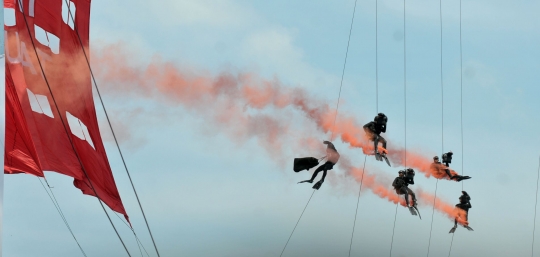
(437, 166)
(447, 158)
(464, 204)
(375, 128)
(401, 183)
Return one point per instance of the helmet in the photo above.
(381, 119)
(401, 172)
(436, 158)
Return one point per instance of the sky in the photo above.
(209, 190)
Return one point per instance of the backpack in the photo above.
(305, 163)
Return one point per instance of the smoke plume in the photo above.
(245, 106)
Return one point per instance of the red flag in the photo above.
(41, 125)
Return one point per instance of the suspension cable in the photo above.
(59, 210)
(65, 128)
(297, 222)
(442, 125)
(405, 110)
(139, 243)
(535, 205)
(358, 202)
(335, 117)
(393, 229)
(112, 130)
(461, 110)
(343, 72)
(376, 56)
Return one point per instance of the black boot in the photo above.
(318, 185)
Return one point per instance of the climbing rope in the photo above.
(393, 229)
(343, 72)
(461, 105)
(376, 56)
(335, 117)
(535, 205)
(358, 202)
(405, 111)
(442, 124)
(297, 223)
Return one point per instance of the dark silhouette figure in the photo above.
(464, 204)
(437, 166)
(332, 157)
(374, 129)
(447, 158)
(401, 183)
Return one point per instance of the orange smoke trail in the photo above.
(244, 90)
(227, 98)
(385, 191)
(443, 207)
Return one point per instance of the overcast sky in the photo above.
(207, 193)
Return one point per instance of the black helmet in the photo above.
(436, 158)
(401, 172)
(381, 118)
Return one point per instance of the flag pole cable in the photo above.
(112, 130)
(65, 128)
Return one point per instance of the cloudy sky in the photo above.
(210, 190)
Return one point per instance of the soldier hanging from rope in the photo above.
(373, 131)
(437, 167)
(332, 157)
(462, 209)
(401, 183)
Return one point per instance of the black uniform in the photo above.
(375, 128)
(464, 204)
(401, 184)
(447, 158)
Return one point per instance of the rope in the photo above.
(535, 205)
(376, 56)
(405, 110)
(405, 79)
(357, 203)
(114, 135)
(335, 117)
(297, 223)
(442, 124)
(66, 130)
(461, 97)
(393, 229)
(431, 228)
(451, 243)
(461, 105)
(343, 72)
(139, 243)
(57, 206)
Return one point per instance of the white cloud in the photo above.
(221, 13)
(480, 14)
(274, 49)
